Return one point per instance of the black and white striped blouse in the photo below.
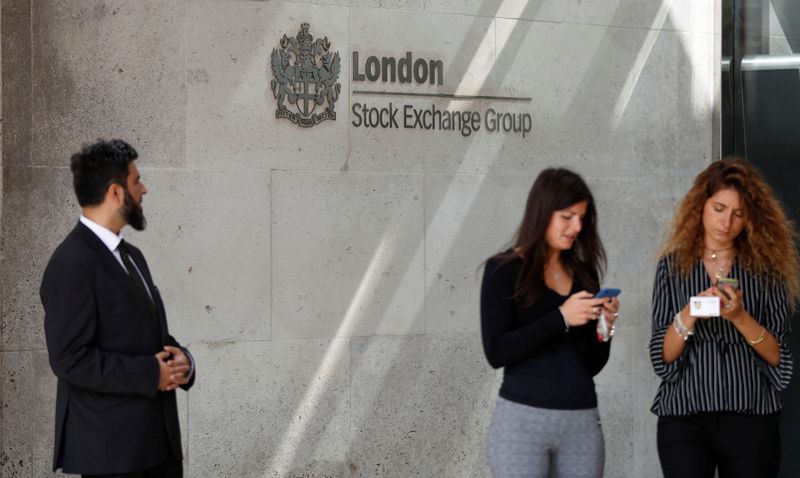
(718, 370)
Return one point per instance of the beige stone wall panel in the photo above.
(421, 406)
(28, 414)
(632, 236)
(615, 402)
(108, 69)
(629, 105)
(270, 409)
(16, 63)
(468, 219)
(207, 243)
(644, 383)
(39, 210)
(675, 15)
(347, 254)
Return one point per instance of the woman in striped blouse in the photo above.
(718, 402)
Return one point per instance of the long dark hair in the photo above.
(556, 189)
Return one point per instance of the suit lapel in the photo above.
(106, 258)
(115, 269)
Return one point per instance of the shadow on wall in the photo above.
(396, 427)
(788, 13)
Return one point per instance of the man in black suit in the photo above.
(106, 331)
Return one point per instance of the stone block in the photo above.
(421, 406)
(270, 409)
(16, 68)
(39, 210)
(645, 461)
(207, 244)
(628, 105)
(633, 236)
(410, 5)
(540, 10)
(28, 414)
(650, 14)
(347, 254)
(466, 53)
(633, 217)
(680, 15)
(15, 453)
(615, 396)
(42, 418)
(118, 70)
(469, 218)
(230, 119)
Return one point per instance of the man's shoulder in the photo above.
(73, 249)
(74, 240)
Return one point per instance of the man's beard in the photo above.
(133, 213)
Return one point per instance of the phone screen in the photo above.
(607, 292)
(732, 283)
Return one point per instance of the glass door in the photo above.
(760, 121)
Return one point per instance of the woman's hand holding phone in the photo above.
(581, 307)
(731, 298)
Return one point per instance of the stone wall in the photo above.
(326, 279)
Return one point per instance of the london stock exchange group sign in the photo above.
(305, 78)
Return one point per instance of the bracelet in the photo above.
(760, 337)
(681, 329)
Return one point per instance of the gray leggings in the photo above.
(543, 443)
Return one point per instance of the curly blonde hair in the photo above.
(765, 246)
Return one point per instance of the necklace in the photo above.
(720, 270)
(556, 275)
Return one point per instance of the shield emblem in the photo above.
(306, 76)
(306, 102)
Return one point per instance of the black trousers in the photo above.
(172, 468)
(740, 445)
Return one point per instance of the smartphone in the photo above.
(732, 283)
(607, 292)
(603, 332)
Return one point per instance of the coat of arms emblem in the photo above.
(306, 75)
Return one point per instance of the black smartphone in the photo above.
(732, 283)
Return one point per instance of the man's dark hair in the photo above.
(98, 166)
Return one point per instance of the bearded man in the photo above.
(106, 330)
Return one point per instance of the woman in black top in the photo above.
(539, 322)
(718, 402)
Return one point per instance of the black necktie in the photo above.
(133, 273)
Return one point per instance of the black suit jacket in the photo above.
(102, 341)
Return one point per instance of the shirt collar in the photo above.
(109, 238)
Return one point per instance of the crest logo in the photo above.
(306, 75)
